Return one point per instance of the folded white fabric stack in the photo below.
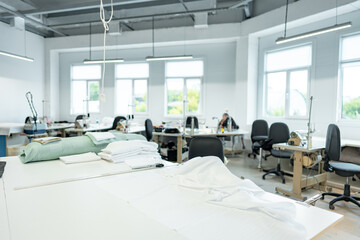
(79, 158)
(100, 136)
(127, 151)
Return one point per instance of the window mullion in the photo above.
(185, 94)
(287, 94)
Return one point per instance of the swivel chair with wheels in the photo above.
(80, 117)
(343, 169)
(148, 129)
(278, 133)
(188, 122)
(259, 133)
(206, 146)
(116, 121)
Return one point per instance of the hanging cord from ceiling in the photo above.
(153, 37)
(286, 16)
(106, 28)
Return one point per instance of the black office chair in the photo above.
(117, 120)
(343, 169)
(188, 122)
(29, 119)
(206, 146)
(259, 133)
(278, 133)
(80, 117)
(148, 129)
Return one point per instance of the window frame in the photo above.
(133, 96)
(201, 94)
(87, 90)
(133, 90)
(341, 64)
(287, 87)
(185, 79)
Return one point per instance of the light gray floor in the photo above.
(348, 228)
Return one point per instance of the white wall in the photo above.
(218, 85)
(324, 75)
(17, 76)
(244, 43)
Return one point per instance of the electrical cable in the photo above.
(106, 28)
(6, 206)
(29, 98)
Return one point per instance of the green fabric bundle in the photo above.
(35, 151)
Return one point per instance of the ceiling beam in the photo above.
(187, 9)
(242, 3)
(31, 21)
(149, 16)
(29, 2)
(81, 8)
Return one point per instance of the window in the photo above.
(286, 82)
(183, 81)
(131, 88)
(349, 77)
(85, 86)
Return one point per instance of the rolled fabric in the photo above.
(35, 152)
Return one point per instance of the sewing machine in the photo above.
(295, 139)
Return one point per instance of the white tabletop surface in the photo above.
(285, 146)
(84, 210)
(344, 142)
(135, 129)
(11, 128)
(60, 126)
(92, 127)
(203, 132)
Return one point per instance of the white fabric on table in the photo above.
(100, 136)
(79, 158)
(129, 146)
(140, 152)
(225, 189)
(143, 160)
(132, 159)
(203, 194)
(9, 128)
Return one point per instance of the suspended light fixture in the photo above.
(118, 60)
(163, 58)
(25, 58)
(336, 27)
(16, 56)
(169, 58)
(97, 61)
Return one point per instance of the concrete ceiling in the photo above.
(53, 18)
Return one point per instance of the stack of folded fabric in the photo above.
(123, 151)
(79, 158)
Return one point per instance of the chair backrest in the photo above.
(206, 146)
(80, 117)
(148, 129)
(188, 122)
(278, 133)
(117, 120)
(333, 143)
(259, 128)
(28, 119)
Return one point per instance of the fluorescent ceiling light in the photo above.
(16, 56)
(313, 33)
(86, 61)
(169, 58)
